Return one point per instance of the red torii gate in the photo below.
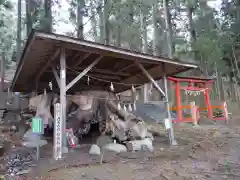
(195, 84)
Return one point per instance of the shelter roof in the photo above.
(117, 65)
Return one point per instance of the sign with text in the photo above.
(58, 133)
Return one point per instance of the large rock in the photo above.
(114, 147)
(139, 130)
(140, 145)
(95, 150)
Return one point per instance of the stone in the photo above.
(19, 162)
(140, 145)
(149, 135)
(114, 147)
(34, 144)
(139, 130)
(146, 148)
(30, 136)
(95, 150)
(25, 171)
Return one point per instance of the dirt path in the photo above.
(207, 152)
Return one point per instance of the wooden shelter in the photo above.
(68, 62)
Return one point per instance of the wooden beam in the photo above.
(150, 77)
(105, 77)
(83, 73)
(95, 74)
(104, 71)
(122, 57)
(140, 78)
(56, 76)
(43, 69)
(81, 59)
(126, 67)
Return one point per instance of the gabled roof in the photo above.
(117, 65)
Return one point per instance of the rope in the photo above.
(104, 80)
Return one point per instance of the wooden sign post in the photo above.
(58, 132)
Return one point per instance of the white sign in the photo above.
(58, 134)
(168, 124)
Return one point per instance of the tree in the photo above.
(168, 24)
(80, 14)
(19, 30)
(29, 16)
(47, 21)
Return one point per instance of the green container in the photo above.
(37, 125)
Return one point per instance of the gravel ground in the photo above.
(205, 152)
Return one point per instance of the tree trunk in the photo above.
(168, 23)
(223, 96)
(130, 22)
(48, 15)
(80, 14)
(118, 33)
(144, 88)
(232, 75)
(193, 38)
(28, 17)
(235, 62)
(101, 24)
(155, 30)
(217, 82)
(93, 21)
(105, 22)
(2, 71)
(19, 31)
(191, 28)
(232, 90)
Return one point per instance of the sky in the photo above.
(215, 4)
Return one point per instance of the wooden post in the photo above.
(134, 94)
(145, 93)
(171, 132)
(58, 133)
(208, 104)
(178, 102)
(194, 113)
(63, 95)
